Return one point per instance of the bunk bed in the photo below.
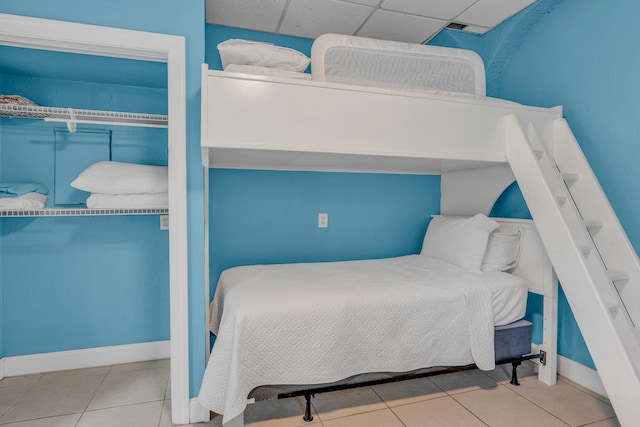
(341, 120)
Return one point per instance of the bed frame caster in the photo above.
(307, 410)
(514, 373)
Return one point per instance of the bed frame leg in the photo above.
(514, 373)
(307, 410)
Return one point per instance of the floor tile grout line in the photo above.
(164, 402)
(522, 397)
(162, 413)
(564, 421)
(596, 422)
(22, 395)
(95, 392)
(39, 418)
(123, 405)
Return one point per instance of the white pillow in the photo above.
(459, 241)
(122, 178)
(503, 250)
(247, 52)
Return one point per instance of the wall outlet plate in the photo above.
(164, 222)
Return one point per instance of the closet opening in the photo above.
(114, 279)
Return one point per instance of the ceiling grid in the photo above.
(413, 21)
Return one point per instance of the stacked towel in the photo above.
(117, 185)
(22, 195)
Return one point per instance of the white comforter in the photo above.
(323, 322)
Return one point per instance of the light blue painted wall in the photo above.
(170, 17)
(271, 217)
(71, 283)
(593, 75)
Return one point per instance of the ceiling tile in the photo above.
(312, 18)
(261, 15)
(441, 9)
(489, 13)
(400, 27)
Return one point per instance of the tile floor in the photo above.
(137, 395)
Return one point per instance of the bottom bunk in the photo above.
(321, 323)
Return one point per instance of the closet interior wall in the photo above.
(70, 283)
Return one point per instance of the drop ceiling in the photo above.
(414, 21)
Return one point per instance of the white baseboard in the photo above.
(197, 414)
(85, 358)
(579, 374)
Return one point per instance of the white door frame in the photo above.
(63, 36)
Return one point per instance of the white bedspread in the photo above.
(323, 322)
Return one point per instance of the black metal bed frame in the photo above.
(310, 392)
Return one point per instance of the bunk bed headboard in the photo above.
(534, 265)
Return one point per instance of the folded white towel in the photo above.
(25, 201)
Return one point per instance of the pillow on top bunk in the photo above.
(247, 52)
(503, 250)
(459, 241)
(122, 178)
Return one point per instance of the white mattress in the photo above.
(323, 322)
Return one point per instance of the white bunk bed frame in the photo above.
(479, 146)
(258, 122)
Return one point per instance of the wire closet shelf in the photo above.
(72, 115)
(80, 211)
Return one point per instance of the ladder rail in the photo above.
(612, 242)
(609, 334)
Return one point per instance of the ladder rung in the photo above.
(618, 275)
(611, 304)
(561, 200)
(586, 250)
(569, 177)
(613, 308)
(592, 224)
(539, 153)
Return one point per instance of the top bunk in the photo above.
(414, 109)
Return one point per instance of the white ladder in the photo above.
(589, 250)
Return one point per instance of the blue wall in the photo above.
(592, 74)
(561, 60)
(71, 283)
(169, 17)
(260, 217)
(270, 217)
